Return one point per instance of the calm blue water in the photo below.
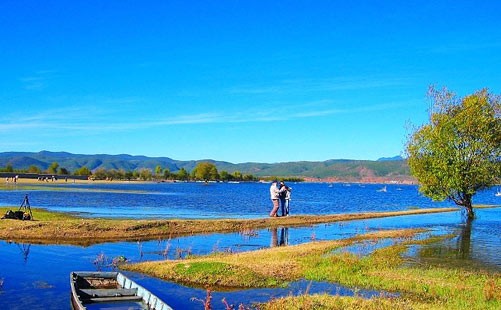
(37, 276)
(216, 200)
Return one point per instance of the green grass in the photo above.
(419, 286)
(436, 286)
(215, 273)
(41, 214)
(330, 302)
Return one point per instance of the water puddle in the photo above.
(366, 247)
(176, 295)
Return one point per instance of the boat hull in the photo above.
(109, 287)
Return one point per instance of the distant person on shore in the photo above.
(274, 196)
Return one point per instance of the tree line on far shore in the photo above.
(204, 171)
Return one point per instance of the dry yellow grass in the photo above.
(255, 268)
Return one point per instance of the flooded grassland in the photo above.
(388, 256)
(394, 262)
(402, 282)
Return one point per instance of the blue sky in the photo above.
(240, 81)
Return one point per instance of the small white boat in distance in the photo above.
(498, 193)
(382, 190)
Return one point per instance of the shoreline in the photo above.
(50, 227)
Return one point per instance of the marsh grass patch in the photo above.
(418, 287)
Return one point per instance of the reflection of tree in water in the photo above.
(464, 241)
(284, 237)
(25, 250)
(453, 251)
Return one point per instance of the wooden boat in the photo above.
(91, 289)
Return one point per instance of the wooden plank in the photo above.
(97, 274)
(98, 293)
(113, 299)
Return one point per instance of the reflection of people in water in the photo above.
(274, 237)
(284, 237)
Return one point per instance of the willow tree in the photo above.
(458, 153)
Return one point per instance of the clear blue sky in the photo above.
(267, 81)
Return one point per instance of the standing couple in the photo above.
(280, 195)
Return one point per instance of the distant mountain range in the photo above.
(384, 169)
(398, 157)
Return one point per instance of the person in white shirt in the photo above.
(274, 196)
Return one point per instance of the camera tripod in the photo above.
(25, 206)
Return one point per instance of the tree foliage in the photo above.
(83, 171)
(167, 173)
(205, 171)
(182, 174)
(225, 176)
(145, 174)
(34, 169)
(100, 174)
(158, 170)
(458, 152)
(53, 168)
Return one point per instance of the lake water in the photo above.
(218, 200)
(37, 276)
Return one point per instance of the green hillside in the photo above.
(341, 169)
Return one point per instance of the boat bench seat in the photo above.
(104, 293)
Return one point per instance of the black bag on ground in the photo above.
(15, 215)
